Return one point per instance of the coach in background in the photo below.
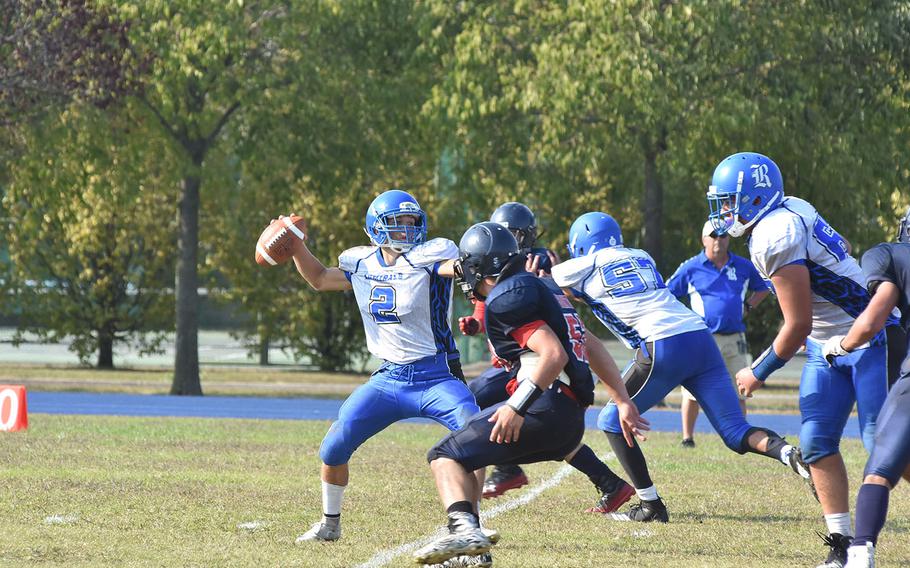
(887, 270)
(716, 282)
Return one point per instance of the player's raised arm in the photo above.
(317, 275)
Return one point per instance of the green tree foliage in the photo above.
(627, 106)
(202, 63)
(91, 238)
(344, 130)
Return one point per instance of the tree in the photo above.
(90, 246)
(347, 128)
(624, 104)
(203, 62)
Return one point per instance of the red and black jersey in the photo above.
(522, 303)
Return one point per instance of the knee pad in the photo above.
(815, 445)
(334, 450)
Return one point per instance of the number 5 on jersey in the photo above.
(577, 337)
(382, 305)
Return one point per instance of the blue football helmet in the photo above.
(593, 231)
(745, 187)
(520, 220)
(903, 232)
(384, 219)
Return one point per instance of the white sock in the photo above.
(839, 523)
(647, 494)
(331, 499)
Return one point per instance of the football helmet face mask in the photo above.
(395, 220)
(520, 220)
(903, 231)
(484, 251)
(592, 232)
(745, 187)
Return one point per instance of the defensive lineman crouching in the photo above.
(544, 417)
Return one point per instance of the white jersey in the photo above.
(405, 307)
(795, 233)
(626, 292)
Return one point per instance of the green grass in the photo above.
(172, 492)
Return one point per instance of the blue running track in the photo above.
(313, 409)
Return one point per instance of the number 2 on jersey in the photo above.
(382, 305)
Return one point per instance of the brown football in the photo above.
(276, 242)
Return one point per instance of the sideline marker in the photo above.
(13, 411)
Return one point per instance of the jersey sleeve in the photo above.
(511, 311)
(350, 259)
(877, 266)
(432, 252)
(779, 243)
(756, 282)
(571, 273)
(678, 284)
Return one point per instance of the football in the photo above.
(275, 244)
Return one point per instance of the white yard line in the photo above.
(384, 557)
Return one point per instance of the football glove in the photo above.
(832, 348)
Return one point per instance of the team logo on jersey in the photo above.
(760, 175)
(731, 273)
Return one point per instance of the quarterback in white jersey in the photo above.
(820, 289)
(403, 287)
(672, 347)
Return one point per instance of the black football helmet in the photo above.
(520, 220)
(903, 232)
(486, 249)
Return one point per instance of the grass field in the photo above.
(112, 491)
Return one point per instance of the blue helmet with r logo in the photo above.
(745, 187)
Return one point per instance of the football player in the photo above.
(887, 270)
(489, 387)
(820, 290)
(403, 286)
(543, 418)
(672, 347)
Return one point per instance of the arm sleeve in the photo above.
(507, 314)
(679, 282)
(349, 259)
(780, 244)
(756, 282)
(433, 252)
(878, 266)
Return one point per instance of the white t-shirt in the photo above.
(796, 233)
(406, 306)
(627, 293)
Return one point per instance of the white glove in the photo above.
(832, 348)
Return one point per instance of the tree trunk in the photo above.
(653, 208)
(186, 359)
(264, 350)
(105, 350)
